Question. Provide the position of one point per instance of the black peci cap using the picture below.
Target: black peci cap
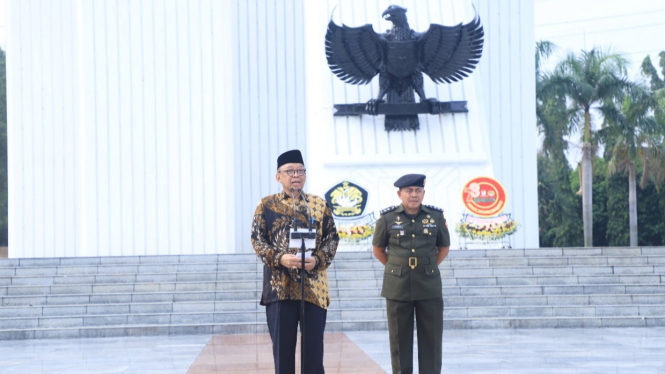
(413, 180)
(290, 157)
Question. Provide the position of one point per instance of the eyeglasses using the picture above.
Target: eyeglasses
(417, 191)
(293, 172)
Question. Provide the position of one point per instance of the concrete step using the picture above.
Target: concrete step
(365, 303)
(246, 271)
(455, 257)
(115, 286)
(518, 261)
(133, 330)
(331, 325)
(129, 293)
(483, 274)
(378, 314)
(139, 295)
(340, 257)
(554, 322)
(517, 300)
(243, 306)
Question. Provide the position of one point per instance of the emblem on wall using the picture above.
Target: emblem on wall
(347, 199)
(400, 57)
(485, 199)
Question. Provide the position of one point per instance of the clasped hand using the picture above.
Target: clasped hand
(294, 262)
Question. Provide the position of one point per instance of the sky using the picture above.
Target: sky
(634, 28)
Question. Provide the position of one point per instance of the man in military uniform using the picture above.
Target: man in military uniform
(417, 241)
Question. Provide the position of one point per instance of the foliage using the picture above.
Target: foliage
(629, 130)
(616, 231)
(610, 209)
(649, 71)
(600, 192)
(557, 203)
(593, 84)
(3, 87)
(599, 202)
(655, 168)
(3, 151)
(590, 81)
(559, 209)
(650, 208)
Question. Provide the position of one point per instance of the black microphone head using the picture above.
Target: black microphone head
(292, 190)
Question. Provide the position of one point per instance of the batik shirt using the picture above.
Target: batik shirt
(273, 219)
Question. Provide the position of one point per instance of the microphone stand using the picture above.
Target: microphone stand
(302, 236)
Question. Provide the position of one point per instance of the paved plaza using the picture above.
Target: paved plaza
(496, 351)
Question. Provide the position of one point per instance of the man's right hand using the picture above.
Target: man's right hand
(380, 254)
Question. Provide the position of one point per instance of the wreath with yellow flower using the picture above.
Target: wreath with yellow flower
(355, 233)
(486, 232)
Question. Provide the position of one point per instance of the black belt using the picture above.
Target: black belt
(412, 262)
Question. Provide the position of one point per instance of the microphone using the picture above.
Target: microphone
(309, 213)
(295, 220)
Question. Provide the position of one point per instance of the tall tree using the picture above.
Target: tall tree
(632, 133)
(590, 81)
(553, 118)
(559, 210)
(557, 204)
(3, 87)
(658, 90)
(3, 151)
(650, 72)
(650, 208)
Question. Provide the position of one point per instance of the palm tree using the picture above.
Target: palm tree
(655, 154)
(558, 207)
(553, 118)
(634, 135)
(590, 81)
(657, 84)
(650, 71)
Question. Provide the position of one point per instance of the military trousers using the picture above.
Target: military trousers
(429, 324)
(283, 319)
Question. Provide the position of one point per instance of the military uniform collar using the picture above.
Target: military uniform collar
(400, 209)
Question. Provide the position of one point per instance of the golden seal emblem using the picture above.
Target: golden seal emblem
(347, 199)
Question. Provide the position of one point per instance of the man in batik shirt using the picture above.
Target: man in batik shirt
(281, 271)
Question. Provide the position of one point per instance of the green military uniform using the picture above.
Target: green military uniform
(412, 282)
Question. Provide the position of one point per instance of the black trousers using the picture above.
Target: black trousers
(283, 318)
(429, 324)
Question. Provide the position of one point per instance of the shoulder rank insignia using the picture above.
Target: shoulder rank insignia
(434, 208)
(389, 209)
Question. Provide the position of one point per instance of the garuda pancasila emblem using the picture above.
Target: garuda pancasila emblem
(400, 57)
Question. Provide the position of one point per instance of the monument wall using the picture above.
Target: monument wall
(152, 127)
